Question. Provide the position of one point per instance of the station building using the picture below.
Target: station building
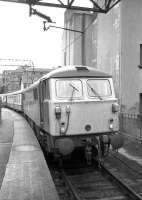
(110, 42)
(13, 80)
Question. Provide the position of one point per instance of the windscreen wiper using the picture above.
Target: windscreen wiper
(74, 88)
(94, 91)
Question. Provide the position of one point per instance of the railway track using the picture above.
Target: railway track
(91, 183)
(127, 172)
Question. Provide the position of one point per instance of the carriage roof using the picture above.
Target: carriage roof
(11, 93)
(76, 71)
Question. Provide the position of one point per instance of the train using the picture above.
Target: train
(69, 108)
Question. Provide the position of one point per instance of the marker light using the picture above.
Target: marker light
(68, 109)
(58, 112)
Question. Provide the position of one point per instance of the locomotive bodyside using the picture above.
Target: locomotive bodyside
(31, 104)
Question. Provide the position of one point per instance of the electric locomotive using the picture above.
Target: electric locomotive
(74, 107)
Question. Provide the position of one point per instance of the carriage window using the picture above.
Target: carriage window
(99, 88)
(23, 96)
(69, 88)
(29, 96)
(45, 86)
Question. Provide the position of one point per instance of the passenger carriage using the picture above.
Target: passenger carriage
(13, 100)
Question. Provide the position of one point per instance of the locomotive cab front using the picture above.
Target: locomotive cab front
(83, 110)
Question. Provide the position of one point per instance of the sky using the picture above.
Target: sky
(22, 37)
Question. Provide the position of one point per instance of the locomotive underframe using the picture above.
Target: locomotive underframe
(90, 143)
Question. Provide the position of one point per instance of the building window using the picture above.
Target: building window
(141, 55)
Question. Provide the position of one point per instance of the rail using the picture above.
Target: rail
(130, 192)
(95, 183)
(70, 185)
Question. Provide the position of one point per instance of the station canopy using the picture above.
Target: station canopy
(100, 6)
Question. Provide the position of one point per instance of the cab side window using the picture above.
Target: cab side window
(35, 93)
(45, 87)
(47, 90)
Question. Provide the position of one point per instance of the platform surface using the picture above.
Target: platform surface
(27, 176)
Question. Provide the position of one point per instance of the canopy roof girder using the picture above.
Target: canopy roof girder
(100, 6)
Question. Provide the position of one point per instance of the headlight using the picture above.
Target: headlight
(58, 112)
(62, 128)
(111, 124)
(115, 107)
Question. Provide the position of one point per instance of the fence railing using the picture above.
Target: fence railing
(131, 124)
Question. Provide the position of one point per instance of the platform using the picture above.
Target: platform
(27, 176)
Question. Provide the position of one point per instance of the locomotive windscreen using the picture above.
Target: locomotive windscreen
(73, 88)
(67, 88)
(98, 87)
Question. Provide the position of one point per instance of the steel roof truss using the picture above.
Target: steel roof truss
(110, 7)
(70, 2)
(96, 5)
(61, 2)
(102, 6)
